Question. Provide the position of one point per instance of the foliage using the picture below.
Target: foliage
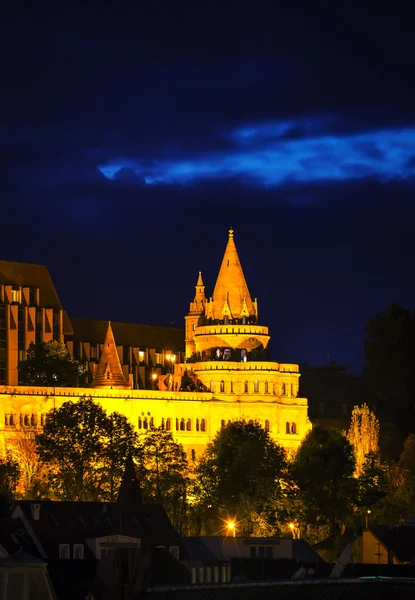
(390, 356)
(49, 363)
(323, 469)
(243, 474)
(9, 476)
(164, 473)
(373, 482)
(86, 450)
(33, 473)
(363, 435)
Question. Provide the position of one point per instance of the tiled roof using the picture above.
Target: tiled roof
(73, 522)
(13, 536)
(129, 334)
(361, 589)
(30, 275)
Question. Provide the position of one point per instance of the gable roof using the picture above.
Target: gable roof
(109, 372)
(30, 275)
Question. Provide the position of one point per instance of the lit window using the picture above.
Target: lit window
(168, 424)
(26, 421)
(246, 387)
(266, 387)
(283, 389)
(222, 386)
(266, 425)
(188, 425)
(145, 423)
(256, 386)
(293, 428)
(163, 426)
(287, 428)
(64, 551)
(140, 423)
(212, 386)
(177, 424)
(78, 551)
(141, 356)
(197, 425)
(182, 425)
(203, 425)
(231, 387)
(16, 295)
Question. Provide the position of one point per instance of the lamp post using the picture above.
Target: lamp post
(153, 380)
(368, 512)
(171, 360)
(231, 527)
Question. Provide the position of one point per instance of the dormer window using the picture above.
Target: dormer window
(64, 551)
(108, 374)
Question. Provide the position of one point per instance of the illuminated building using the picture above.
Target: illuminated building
(226, 374)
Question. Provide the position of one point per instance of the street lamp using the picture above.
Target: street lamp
(292, 527)
(153, 379)
(368, 512)
(170, 359)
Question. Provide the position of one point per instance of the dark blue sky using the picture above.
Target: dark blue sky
(131, 141)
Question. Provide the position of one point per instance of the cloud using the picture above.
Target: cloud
(282, 152)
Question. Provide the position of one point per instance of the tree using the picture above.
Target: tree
(164, 472)
(390, 355)
(363, 435)
(9, 477)
(33, 480)
(86, 450)
(242, 475)
(323, 469)
(49, 363)
(373, 481)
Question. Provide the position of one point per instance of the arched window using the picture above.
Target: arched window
(6, 419)
(151, 422)
(256, 386)
(162, 423)
(188, 425)
(283, 389)
(193, 454)
(266, 387)
(140, 423)
(26, 421)
(222, 386)
(168, 424)
(12, 420)
(197, 425)
(182, 425)
(293, 428)
(222, 423)
(145, 423)
(287, 428)
(246, 387)
(33, 421)
(202, 425)
(177, 424)
(266, 425)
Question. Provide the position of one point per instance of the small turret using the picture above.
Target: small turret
(199, 302)
(109, 373)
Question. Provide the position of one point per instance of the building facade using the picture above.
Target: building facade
(224, 374)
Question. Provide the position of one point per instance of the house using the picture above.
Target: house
(389, 545)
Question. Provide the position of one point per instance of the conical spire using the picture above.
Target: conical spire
(198, 304)
(231, 289)
(109, 372)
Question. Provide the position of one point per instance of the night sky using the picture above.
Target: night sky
(131, 141)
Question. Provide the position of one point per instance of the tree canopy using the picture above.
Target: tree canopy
(390, 355)
(86, 450)
(164, 473)
(323, 469)
(242, 475)
(49, 363)
(363, 434)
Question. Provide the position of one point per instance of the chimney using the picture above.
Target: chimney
(35, 510)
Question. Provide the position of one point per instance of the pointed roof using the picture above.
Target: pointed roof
(109, 373)
(231, 288)
(198, 304)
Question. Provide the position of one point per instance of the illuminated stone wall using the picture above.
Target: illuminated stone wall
(25, 408)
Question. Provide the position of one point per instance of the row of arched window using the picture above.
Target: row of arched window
(167, 424)
(12, 420)
(255, 389)
(267, 426)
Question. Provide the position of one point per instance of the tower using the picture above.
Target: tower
(109, 373)
(195, 316)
